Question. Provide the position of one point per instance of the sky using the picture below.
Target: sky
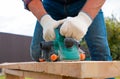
(15, 19)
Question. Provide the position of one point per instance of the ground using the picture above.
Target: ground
(3, 77)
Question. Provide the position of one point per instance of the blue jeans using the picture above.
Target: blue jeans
(96, 37)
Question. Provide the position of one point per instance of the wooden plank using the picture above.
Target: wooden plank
(100, 69)
(36, 75)
(9, 65)
(8, 76)
(77, 69)
(14, 72)
(30, 66)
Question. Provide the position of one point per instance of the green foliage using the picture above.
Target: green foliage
(113, 30)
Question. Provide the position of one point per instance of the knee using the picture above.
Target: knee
(100, 50)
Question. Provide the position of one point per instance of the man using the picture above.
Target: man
(80, 18)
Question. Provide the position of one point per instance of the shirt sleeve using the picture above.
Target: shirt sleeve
(26, 2)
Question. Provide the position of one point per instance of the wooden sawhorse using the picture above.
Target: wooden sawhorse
(62, 70)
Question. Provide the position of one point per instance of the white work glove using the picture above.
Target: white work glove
(49, 25)
(76, 27)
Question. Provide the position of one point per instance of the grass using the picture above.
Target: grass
(2, 77)
(117, 78)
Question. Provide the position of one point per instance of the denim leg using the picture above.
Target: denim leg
(96, 39)
(35, 44)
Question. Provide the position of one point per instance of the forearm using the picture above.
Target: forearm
(36, 7)
(92, 7)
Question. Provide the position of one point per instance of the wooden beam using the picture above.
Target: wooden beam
(14, 72)
(77, 69)
(8, 76)
(36, 75)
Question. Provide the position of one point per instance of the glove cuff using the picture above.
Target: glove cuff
(45, 18)
(85, 17)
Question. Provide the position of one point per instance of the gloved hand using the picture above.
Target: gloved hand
(76, 27)
(49, 25)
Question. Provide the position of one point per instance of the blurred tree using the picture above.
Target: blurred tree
(113, 30)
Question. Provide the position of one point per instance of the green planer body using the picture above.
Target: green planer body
(64, 48)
